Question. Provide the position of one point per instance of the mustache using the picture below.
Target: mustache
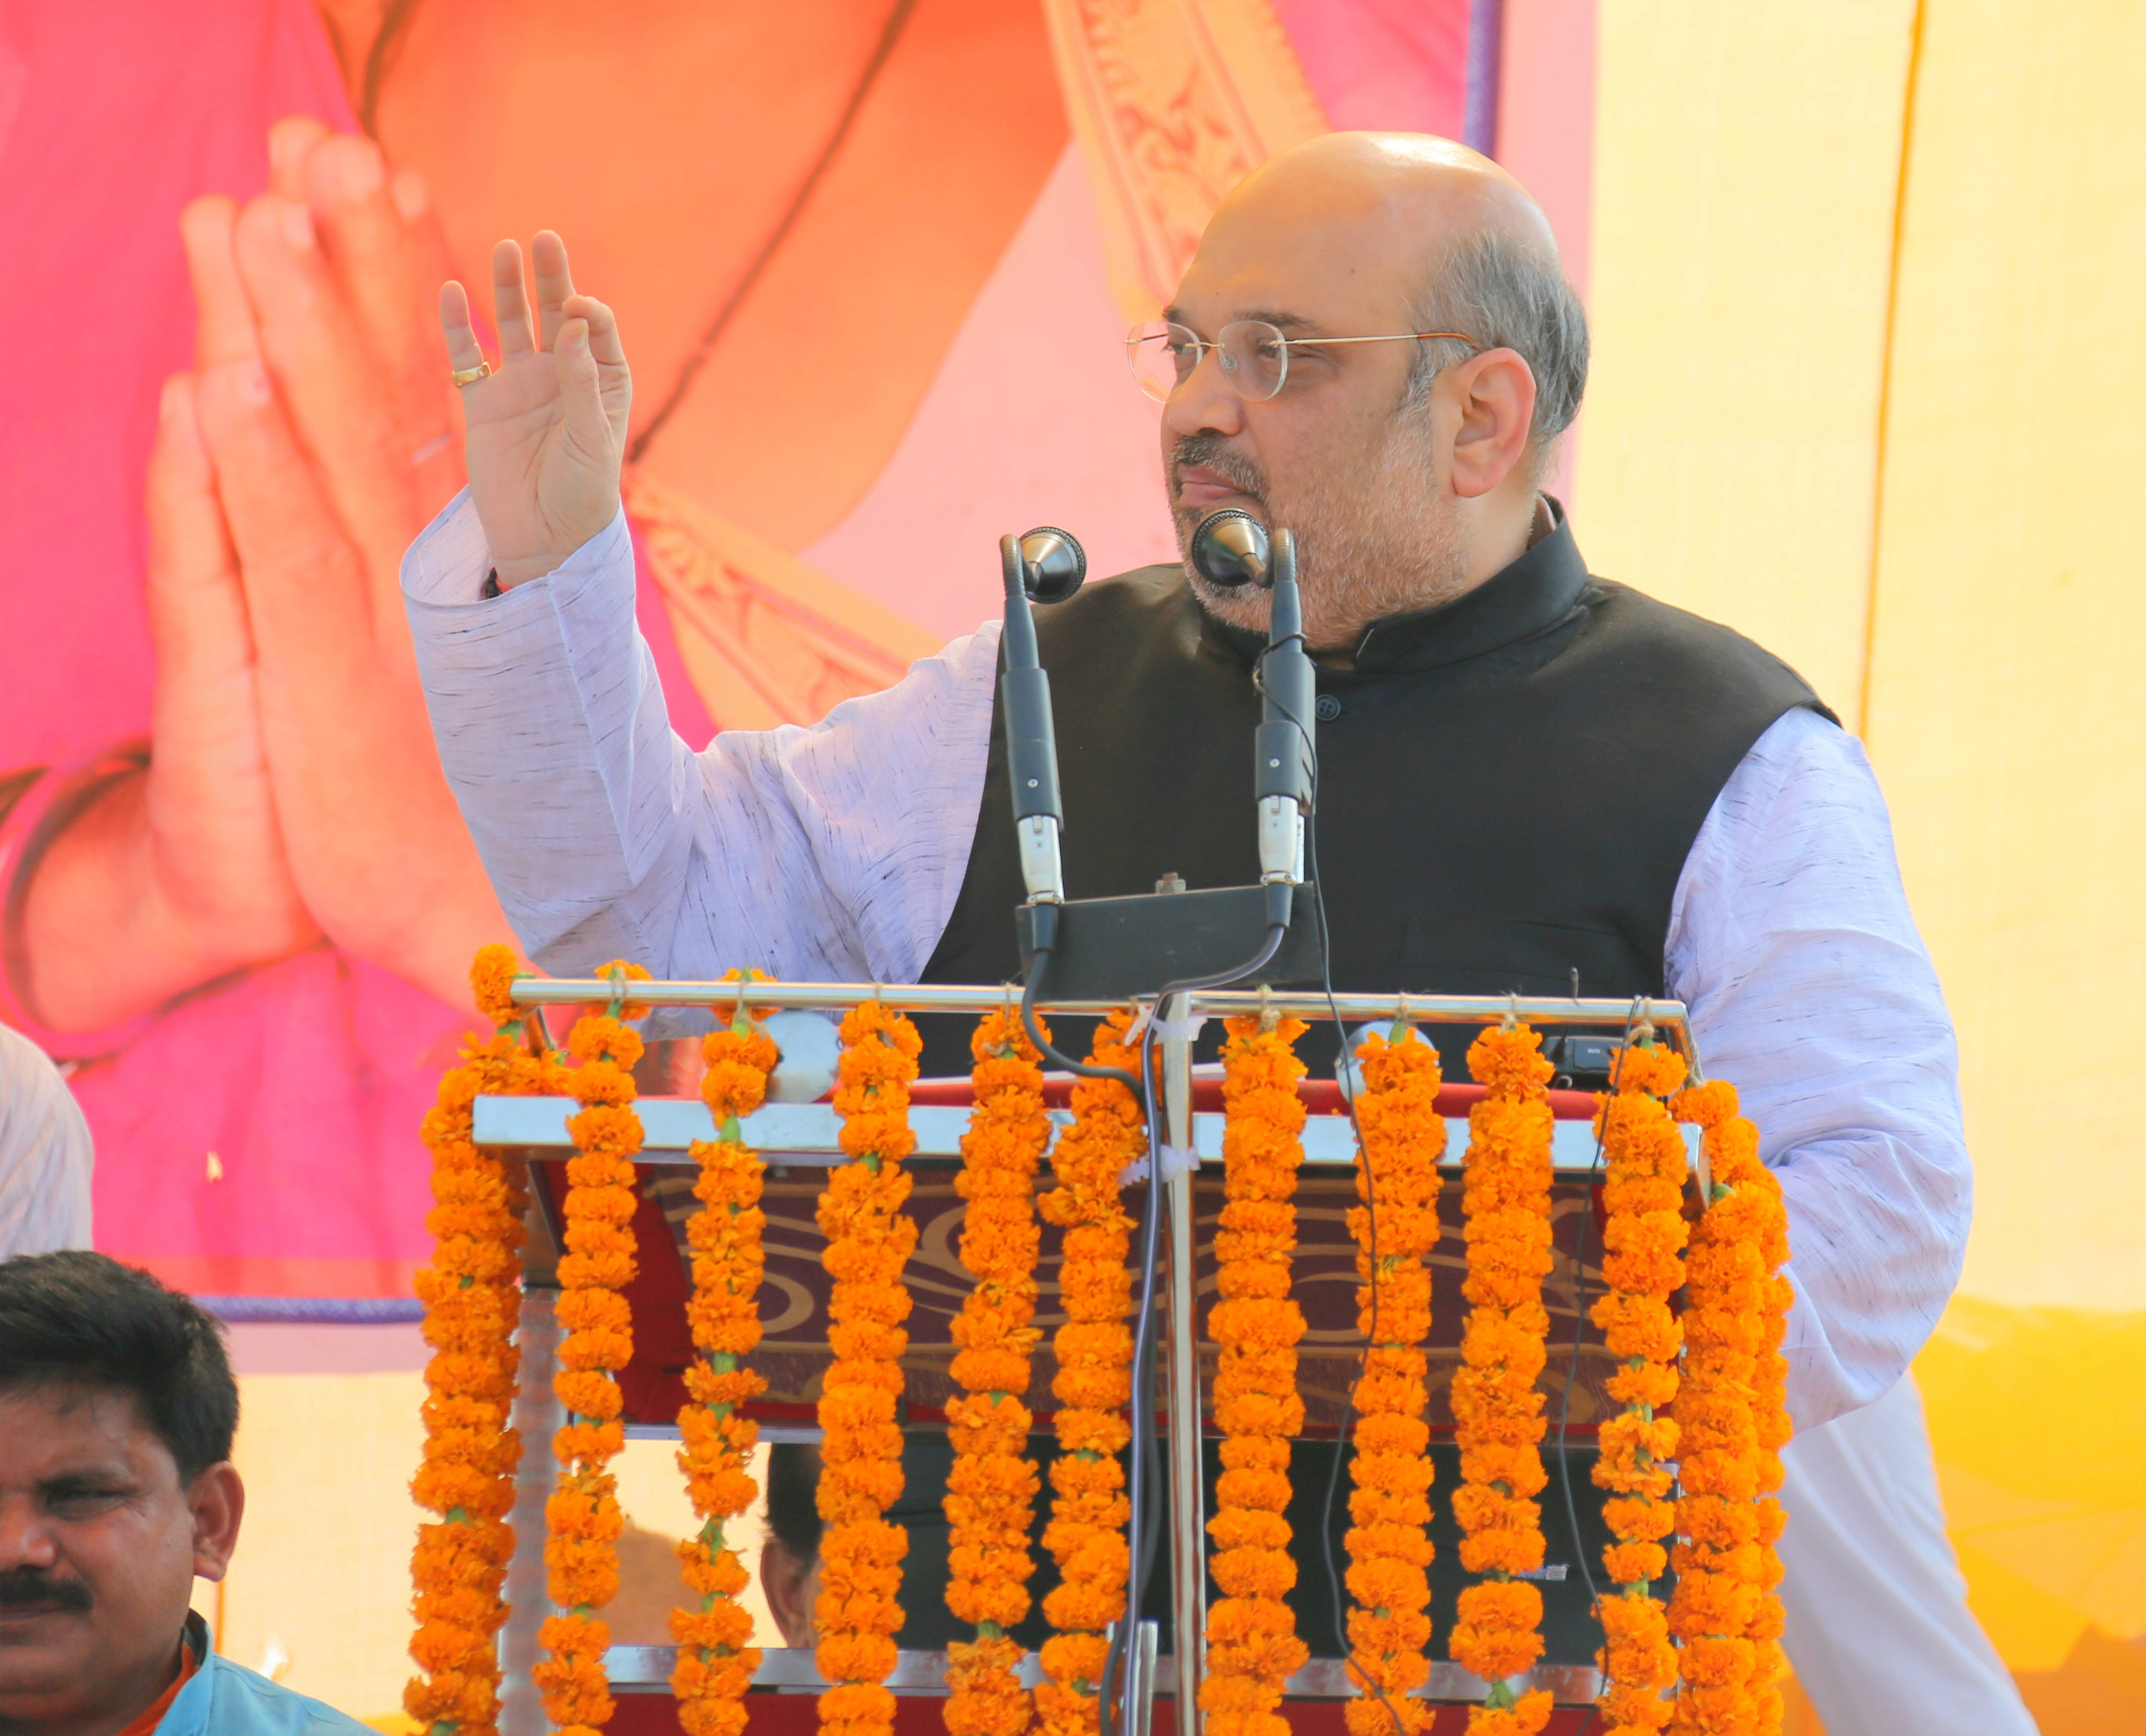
(1211, 451)
(27, 1588)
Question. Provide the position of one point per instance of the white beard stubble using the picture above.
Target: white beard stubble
(1368, 545)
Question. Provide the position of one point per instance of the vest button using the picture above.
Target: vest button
(1328, 709)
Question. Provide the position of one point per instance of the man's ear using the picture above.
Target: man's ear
(218, 1502)
(1493, 395)
(788, 1583)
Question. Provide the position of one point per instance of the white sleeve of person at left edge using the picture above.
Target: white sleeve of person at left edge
(1811, 993)
(45, 1154)
(831, 852)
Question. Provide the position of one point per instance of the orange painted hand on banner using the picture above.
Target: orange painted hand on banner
(293, 788)
(318, 407)
(177, 874)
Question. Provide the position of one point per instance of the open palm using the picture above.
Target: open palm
(547, 430)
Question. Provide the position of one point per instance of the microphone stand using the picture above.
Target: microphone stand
(1134, 941)
(1038, 815)
(1284, 752)
(1031, 739)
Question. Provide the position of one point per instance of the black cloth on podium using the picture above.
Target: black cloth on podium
(1570, 1634)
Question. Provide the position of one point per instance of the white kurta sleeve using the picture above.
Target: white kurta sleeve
(1810, 992)
(832, 852)
(45, 1154)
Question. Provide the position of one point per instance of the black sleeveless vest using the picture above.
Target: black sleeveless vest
(1508, 785)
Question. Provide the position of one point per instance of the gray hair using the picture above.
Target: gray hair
(1506, 294)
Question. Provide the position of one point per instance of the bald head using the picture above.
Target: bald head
(1403, 227)
(1396, 197)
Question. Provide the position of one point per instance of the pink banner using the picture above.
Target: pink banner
(235, 897)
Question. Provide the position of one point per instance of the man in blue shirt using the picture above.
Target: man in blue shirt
(117, 1491)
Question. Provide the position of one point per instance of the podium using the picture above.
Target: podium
(800, 1141)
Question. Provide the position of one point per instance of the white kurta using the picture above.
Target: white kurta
(1878, 1628)
(836, 851)
(45, 1154)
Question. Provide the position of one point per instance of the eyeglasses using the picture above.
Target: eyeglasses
(1254, 355)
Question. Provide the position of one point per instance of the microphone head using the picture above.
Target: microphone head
(1053, 563)
(1230, 549)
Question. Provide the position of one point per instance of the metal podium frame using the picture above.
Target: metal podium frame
(1175, 1037)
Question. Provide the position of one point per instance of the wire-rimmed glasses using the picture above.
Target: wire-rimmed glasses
(1253, 355)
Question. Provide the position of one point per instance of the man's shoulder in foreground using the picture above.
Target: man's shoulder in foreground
(1691, 647)
(225, 1699)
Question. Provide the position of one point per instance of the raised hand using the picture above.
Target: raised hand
(546, 430)
(292, 788)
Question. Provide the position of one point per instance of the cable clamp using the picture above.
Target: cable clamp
(1177, 1160)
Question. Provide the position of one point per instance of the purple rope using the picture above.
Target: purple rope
(1479, 128)
(313, 1310)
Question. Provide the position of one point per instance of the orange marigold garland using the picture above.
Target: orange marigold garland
(869, 1238)
(493, 973)
(1643, 1196)
(1252, 1645)
(471, 1292)
(1769, 1403)
(1737, 1165)
(1094, 1349)
(991, 1493)
(583, 1517)
(1732, 1414)
(1389, 1549)
(716, 1656)
(1495, 1403)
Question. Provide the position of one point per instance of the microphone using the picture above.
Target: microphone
(1053, 563)
(1230, 549)
(1044, 560)
(1283, 754)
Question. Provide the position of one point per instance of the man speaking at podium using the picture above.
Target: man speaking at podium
(1524, 772)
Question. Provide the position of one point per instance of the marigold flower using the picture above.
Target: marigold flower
(1094, 1351)
(1396, 1171)
(1505, 1202)
(1251, 1640)
(992, 1487)
(1643, 1242)
(1730, 1408)
(1525, 1717)
(471, 1294)
(716, 1660)
(869, 1240)
(492, 974)
(582, 1515)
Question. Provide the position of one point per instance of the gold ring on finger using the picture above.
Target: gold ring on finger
(471, 375)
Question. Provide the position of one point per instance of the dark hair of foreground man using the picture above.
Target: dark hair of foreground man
(84, 1320)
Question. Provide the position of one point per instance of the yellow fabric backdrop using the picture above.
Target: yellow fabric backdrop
(319, 1596)
(1889, 422)
(1745, 158)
